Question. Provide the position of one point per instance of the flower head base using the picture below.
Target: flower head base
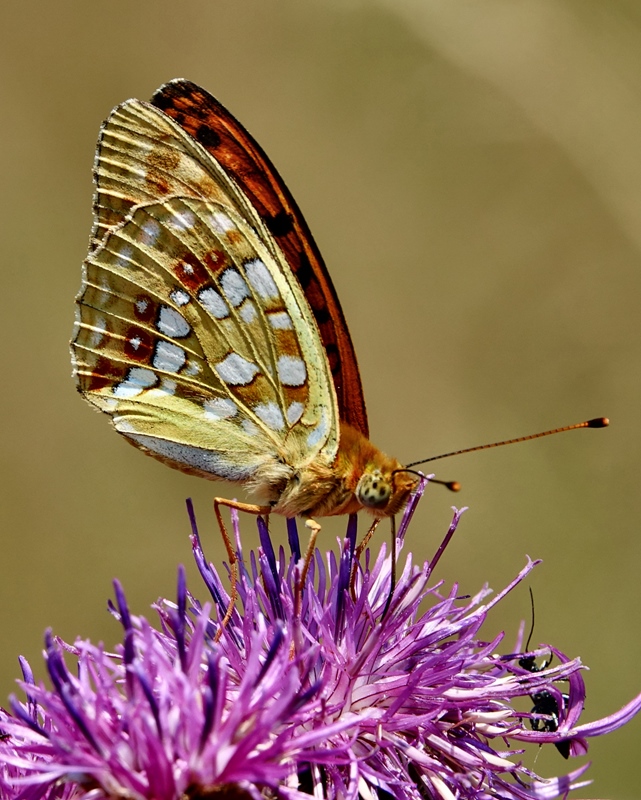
(318, 691)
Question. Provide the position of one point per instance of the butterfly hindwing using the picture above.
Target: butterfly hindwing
(192, 332)
(210, 124)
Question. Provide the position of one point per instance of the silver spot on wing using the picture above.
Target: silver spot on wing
(291, 371)
(234, 287)
(260, 279)
(172, 323)
(138, 379)
(271, 415)
(220, 408)
(236, 370)
(213, 303)
(168, 357)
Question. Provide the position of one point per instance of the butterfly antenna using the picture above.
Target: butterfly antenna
(453, 486)
(598, 422)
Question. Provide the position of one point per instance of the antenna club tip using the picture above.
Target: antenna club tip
(599, 422)
(453, 486)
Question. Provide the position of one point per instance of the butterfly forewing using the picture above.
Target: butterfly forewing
(192, 332)
(238, 153)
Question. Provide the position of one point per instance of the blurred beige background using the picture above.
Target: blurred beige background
(472, 173)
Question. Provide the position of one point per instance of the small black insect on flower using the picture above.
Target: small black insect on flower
(545, 703)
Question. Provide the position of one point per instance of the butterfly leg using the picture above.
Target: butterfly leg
(359, 551)
(248, 508)
(314, 528)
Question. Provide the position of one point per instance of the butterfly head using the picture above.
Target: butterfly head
(375, 481)
(374, 490)
(384, 490)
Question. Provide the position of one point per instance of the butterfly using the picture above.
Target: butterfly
(207, 326)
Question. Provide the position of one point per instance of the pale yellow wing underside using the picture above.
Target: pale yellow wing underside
(192, 332)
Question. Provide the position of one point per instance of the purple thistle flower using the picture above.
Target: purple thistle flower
(313, 691)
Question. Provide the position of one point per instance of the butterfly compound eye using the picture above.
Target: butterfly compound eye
(373, 490)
